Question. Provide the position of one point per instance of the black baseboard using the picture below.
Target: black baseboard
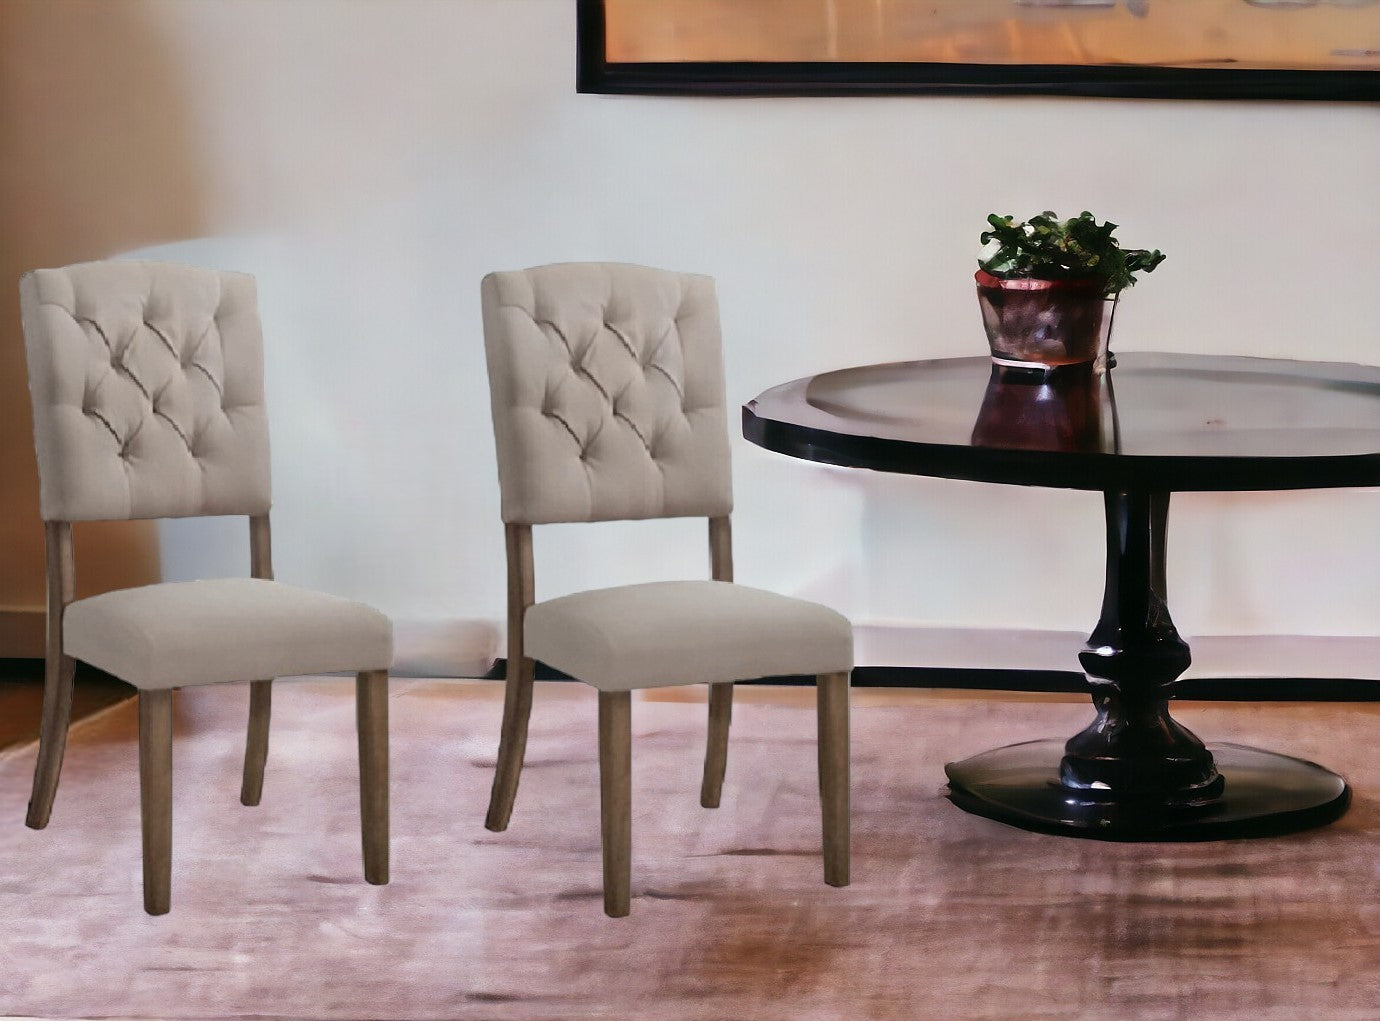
(1207, 689)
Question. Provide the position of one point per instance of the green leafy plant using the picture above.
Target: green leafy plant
(1047, 248)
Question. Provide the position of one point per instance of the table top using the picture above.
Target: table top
(1154, 422)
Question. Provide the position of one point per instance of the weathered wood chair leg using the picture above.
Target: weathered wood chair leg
(615, 798)
(716, 745)
(256, 741)
(371, 705)
(833, 776)
(512, 743)
(52, 737)
(155, 797)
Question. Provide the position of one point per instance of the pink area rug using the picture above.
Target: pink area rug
(950, 917)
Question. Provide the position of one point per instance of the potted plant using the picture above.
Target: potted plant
(1049, 287)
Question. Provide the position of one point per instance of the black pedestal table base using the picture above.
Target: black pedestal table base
(1264, 794)
(1135, 773)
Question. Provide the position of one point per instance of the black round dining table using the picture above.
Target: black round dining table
(1151, 425)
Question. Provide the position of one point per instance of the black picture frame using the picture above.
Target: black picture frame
(595, 74)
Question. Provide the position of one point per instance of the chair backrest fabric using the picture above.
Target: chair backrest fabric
(607, 390)
(147, 388)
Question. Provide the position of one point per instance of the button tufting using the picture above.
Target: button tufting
(129, 329)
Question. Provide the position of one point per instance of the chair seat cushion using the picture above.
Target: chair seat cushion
(229, 629)
(685, 632)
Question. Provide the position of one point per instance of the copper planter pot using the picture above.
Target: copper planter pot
(1046, 322)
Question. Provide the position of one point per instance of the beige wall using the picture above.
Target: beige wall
(369, 161)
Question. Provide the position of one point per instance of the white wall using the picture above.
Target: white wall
(370, 161)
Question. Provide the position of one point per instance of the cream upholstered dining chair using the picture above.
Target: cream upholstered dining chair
(147, 387)
(607, 391)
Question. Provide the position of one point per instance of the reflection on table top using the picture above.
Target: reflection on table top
(1155, 421)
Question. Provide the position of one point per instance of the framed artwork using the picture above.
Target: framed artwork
(1190, 49)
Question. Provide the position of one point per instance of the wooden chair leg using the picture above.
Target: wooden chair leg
(615, 798)
(833, 776)
(716, 746)
(155, 797)
(512, 743)
(256, 741)
(371, 705)
(52, 736)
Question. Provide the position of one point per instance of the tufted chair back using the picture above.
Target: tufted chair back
(147, 387)
(607, 390)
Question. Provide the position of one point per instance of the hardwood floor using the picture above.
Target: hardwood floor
(21, 697)
(949, 916)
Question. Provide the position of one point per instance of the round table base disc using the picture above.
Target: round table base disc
(1266, 794)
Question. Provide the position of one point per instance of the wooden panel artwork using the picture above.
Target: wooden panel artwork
(1211, 48)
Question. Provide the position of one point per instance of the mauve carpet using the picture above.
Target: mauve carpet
(949, 917)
